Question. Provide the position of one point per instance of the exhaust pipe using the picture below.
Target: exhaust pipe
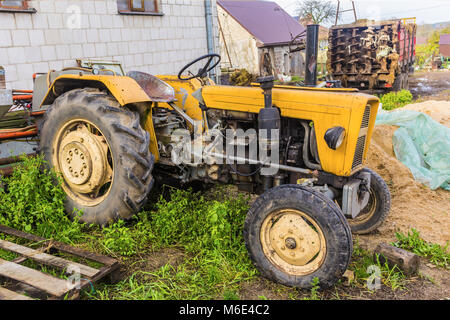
(312, 49)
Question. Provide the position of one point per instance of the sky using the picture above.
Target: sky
(426, 11)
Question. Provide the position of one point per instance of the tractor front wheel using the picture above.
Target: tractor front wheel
(295, 234)
(102, 154)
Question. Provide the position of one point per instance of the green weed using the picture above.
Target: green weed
(118, 238)
(34, 202)
(412, 241)
(210, 232)
(314, 294)
(392, 277)
(394, 100)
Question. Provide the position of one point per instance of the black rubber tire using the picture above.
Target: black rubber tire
(129, 145)
(324, 212)
(380, 190)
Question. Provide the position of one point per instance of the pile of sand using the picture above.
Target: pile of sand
(438, 110)
(413, 204)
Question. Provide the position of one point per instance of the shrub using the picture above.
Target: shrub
(34, 202)
(394, 100)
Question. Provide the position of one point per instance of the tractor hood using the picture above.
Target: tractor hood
(326, 108)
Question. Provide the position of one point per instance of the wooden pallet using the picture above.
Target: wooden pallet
(25, 283)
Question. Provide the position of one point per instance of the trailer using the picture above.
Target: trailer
(373, 55)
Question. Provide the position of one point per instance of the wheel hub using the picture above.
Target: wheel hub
(83, 160)
(293, 242)
(76, 163)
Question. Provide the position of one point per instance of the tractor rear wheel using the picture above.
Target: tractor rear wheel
(376, 211)
(295, 234)
(102, 154)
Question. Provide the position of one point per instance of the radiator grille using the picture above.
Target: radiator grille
(359, 152)
(366, 117)
(361, 143)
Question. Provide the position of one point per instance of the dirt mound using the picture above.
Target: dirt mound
(438, 110)
(413, 204)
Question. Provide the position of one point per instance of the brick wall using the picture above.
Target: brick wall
(64, 30)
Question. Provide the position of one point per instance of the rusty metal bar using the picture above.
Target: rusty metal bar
(10, 160)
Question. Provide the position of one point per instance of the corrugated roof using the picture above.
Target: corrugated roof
(445, 39)
(265, 20)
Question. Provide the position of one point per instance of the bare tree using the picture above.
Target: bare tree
(318, 11)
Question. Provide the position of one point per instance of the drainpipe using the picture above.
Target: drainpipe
(210, 33)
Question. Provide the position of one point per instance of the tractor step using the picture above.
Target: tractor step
(25, 282)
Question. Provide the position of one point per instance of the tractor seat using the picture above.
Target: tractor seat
(156, 89)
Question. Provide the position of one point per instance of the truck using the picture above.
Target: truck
(371, 55)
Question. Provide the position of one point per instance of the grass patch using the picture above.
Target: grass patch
(205, 228)
(367, 267)
(412, 241)
(34, 202)
(210, 234)
(394, 100)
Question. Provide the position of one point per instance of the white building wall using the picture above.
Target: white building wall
(64, 30)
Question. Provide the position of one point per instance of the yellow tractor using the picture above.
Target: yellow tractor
(301, 149)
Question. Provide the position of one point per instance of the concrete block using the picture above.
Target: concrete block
(37, 37)
(55, 21)
(89, 50)
(16, 55)
(46, 6)
(100, 7)
(23, 21)
(32, 54)
(53, 36)
(100, 49)
(76, 51)
(39, 21)
(7, 21)
(20, 38)
(11, 73)
(5, 38)
(62, 52)
(25, 71)
(92, 36)
(48, 53)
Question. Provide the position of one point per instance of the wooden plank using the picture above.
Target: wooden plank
(47, 259)
(51, 285)
(59, 246)
(6, 294)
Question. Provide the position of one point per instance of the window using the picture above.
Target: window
(15, 6)
(143, 7)
(137, 5)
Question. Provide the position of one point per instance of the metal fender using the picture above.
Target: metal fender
(125, 89)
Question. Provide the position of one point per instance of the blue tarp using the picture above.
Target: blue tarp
(422, 144)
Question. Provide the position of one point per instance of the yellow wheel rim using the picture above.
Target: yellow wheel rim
(83, 156)
(293, 242)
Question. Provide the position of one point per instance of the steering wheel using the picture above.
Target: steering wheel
(203, 71)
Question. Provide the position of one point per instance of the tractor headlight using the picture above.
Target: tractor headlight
(334, 137)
